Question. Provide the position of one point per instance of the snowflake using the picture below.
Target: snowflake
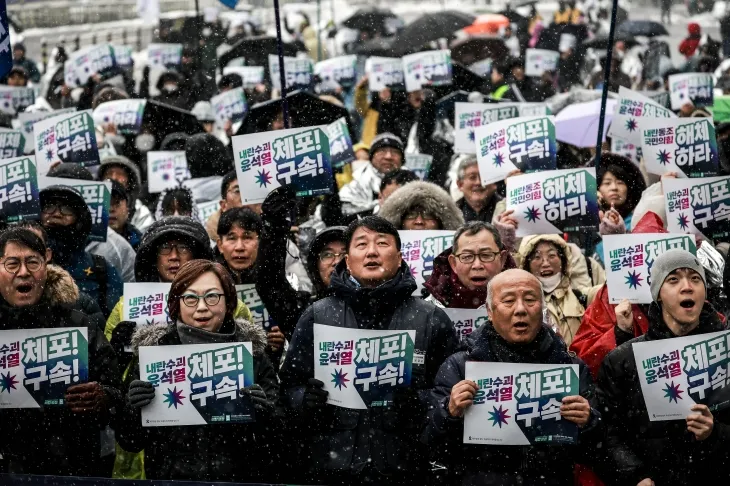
(532, 214)
(683, 221)
(498, 160)
(633, 280)
(631, 125)
(263, 178)
(498, 417)
(664, 157)
(673, 392)
(7, 382)
(173, 397)
(339, 378)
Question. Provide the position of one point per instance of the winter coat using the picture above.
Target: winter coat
(485, 215)
(688, 46)
(378, 441)
(664, 451)
(361, 194)
(53, 440)
(208, 452)
(429, 197)
(117, 251)
(506, 465)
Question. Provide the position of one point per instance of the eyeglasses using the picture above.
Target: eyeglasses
(329, 256)
(211, 299)
(538, 257)
(484, 257)
(182, 249)
(415, 214)
(12, 265)
(64, 209)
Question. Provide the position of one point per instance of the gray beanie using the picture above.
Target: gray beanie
(670, 261)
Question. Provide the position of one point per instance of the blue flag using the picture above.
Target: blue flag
(6, 54)
(227, 3)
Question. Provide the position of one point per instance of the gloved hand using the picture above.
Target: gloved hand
(315, 397)
(86, 397)
(140, 394)
(278, 207)
(259, 399)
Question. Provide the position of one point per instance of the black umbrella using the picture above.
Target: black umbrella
(382, 46)
(430, 27)
(472, 49)
(256, 50)
(645, 28)
(161, 120)
(601, 41)
(462, 80)
(370, 19)
(550, 36)
(521, 3)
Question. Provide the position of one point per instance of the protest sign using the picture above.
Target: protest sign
(537, 61)
(166, 170)
(429, 68)
(145, 303)
(12, 143)
(341, 70)
(469, 116)
(97, 196)
(230, 106)
(686, 146)
(526, 144)
(267, 160)
(629, 115)
(629, 259)
(248, 295)
(38, 365)
(164, 55)
(87, 62)
(419, 164)
(627, 149)
(251, 75)
(123, 56)
(420, 248)
(14, 99)
(19, 190)
(659, 97)
(677, 373)
(362, 368)
(384, 72)
(557, 201)
(697, 88)
(208, 209)
(25, 121)
(698, 206)
(236, 62)
(66, 138)
(466, 321)
(341, 152)
(519, 404)
(125, 115)
(297, 72)
(197, 384)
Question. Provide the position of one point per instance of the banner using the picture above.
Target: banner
(12, 144)
(19, 190)
(537, 61)
(686, 146)
(248, 295)
(341, 152)
(698, 206)
(267, 160)
(66, 138)
(384, 72)
(557, 201)
(680, 372)
(125, 115)
(697, 88)
(362, 368)
(25, 121)
(526, 144)
(123, 56)
(164, 55)
(197, 384)
(629, 259)
(419, 164)
(341, 70)
(297, 71)
(420, 248)
(15, 99)
(469, 116)
(251, 75)
(87, 62)
(627, 149)
(519, 404)
(229, 106)
(630, 113)
(145, 303)
(97, 196)
(38, 365)
(6, 53)
(466, 321)
(429, 68)
(166, 170)
(207, 209)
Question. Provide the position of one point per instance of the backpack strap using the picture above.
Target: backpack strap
(582, 298)
(100, 272)
(590, 269)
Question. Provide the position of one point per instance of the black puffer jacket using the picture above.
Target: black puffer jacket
(664, 451)
(506, 465)
(380, 443)
(238, 453)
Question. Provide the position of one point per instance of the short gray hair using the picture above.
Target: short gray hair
(474, 227)
(465, 164)
(490, 294)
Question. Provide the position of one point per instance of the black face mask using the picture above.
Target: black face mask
(64, 241)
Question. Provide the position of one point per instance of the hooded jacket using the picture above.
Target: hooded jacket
(664, 451)
(430, 197)
(141, 217)
(688, 46)
(56, 441)
(234, 452)
(505, 465)
(361, 195)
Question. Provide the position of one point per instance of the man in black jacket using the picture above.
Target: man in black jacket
(372, 289)
(515, 334)
(663, 452)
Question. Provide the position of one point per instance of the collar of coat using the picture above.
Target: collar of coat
(547, 348)
(710, 321)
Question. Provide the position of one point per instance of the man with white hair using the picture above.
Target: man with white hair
(479, 201)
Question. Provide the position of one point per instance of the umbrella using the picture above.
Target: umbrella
(487, 24)
(550, 36)
(162, 120)
(371, 19)
(470, 50)
(601, 41)
(560, 101)
(521, 3)
(382, 46)
(578, 124)
(256, 50)
(646, 28)
(430, 27)
(462, 79)
(305, 110)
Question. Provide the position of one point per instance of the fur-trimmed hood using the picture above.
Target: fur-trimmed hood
(245, 331)
(60, 287)
(430, 197)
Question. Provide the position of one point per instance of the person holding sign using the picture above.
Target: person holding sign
(372, 290)
(639, 449)
(53, 440)
(515, 334)
(202, 303)
(479, 202)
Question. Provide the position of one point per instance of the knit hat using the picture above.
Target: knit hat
(670, 261)
(386, 140)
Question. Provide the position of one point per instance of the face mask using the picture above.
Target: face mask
(551, 283)
(145, 142)
(169, 88)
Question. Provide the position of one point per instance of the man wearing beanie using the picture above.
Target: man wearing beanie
(678, 452)
(361, 195)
